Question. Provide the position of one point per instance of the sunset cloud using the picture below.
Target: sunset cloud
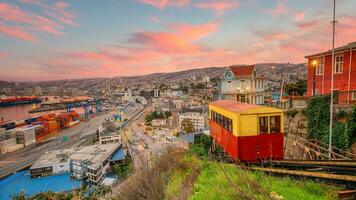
(16, 32)
(299, 16)
(121, 38)
(22, 24)
(3, 55)
(218, 7)
(280, 9)
(161, 4)
(180, 40)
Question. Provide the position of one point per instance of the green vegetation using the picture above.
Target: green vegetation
(156, 115)
(299, 88)
(318, 115)
(83, 193)
(292, 113)
(226, 181)
(122, 170)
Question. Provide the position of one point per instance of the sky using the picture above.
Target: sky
(52, 40)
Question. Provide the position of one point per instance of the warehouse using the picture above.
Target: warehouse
(89, 163)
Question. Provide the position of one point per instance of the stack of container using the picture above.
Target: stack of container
(50, 125)
(53, 127)
(31, 120)
(10, 145)
(26, 135)
(68, 119)
(8, 126)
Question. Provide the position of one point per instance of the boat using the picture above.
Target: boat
(18, 100)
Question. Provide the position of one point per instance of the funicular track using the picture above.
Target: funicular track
(314, 162)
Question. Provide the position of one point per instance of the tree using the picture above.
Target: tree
(298, 88)
(187, 125)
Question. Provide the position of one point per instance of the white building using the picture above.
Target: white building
(89, 162)
(196, 116)
(128, 96)
(159, 122)
(156, 93)
(106, 136)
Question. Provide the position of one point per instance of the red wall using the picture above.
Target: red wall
(225, 139)
(249, 148)
(340, 80)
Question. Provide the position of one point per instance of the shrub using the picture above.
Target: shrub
(292, 113)
(318, 115)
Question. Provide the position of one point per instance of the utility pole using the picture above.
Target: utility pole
(332, 83)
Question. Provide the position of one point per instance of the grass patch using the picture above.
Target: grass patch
(226, 181)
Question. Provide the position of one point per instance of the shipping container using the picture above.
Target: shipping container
(6, 144)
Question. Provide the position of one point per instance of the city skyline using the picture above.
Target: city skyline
(51, 40)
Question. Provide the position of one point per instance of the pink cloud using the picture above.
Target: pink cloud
(57, 11)
(219, 7)
(180, 40)
(161, 4)
(273, 37)
(281, 8)
(16, 32)
(3, 55)
(299, 16)
(25, 22)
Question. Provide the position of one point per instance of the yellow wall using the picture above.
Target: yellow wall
(226, 113)
(246, 123)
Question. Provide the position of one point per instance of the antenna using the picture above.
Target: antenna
(332, 83)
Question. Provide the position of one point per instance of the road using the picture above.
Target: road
(18, 160)
(142, 147)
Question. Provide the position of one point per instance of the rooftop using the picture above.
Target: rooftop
(94, 154)
(239, 107)
(243, 70)
(351, 45)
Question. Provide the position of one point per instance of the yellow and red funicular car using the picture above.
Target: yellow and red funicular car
(247, 132)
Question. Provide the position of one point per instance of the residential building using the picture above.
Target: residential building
(196, 116)
(320, 71)
(159, 122)
(241, 83)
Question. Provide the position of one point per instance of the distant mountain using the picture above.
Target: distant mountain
(272, 71)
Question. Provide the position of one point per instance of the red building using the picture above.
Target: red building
(319, 71)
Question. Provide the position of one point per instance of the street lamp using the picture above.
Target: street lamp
(314, 63)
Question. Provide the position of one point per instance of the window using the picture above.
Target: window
(242, 84)
(223, 121)
(263, 122)
(275, 124)
(320, 67)
(339, 63)
(243, 98)
(353, 95)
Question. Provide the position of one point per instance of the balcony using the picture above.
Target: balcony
(241, 91)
